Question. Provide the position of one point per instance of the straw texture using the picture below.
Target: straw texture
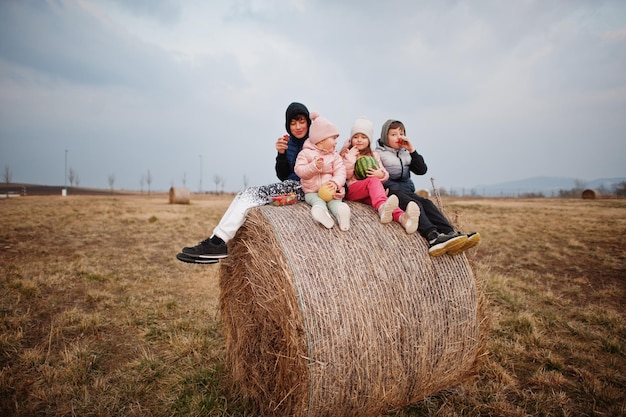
(321, 322)
(179, 195)
(591, 194)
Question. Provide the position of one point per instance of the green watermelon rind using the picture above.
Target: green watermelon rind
(362, 165)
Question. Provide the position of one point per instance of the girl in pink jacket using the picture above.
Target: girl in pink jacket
(370, 190)
(323, 174)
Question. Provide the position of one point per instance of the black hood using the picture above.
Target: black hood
(293, 110)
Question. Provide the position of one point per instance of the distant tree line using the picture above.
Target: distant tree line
(618, 190)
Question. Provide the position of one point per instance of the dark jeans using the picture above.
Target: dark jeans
(430, 217)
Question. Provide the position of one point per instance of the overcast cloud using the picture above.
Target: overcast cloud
(490, 91)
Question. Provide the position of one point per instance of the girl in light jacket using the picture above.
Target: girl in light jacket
(370, 190)
(322, 174)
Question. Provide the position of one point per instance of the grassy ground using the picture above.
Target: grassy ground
(97, 318)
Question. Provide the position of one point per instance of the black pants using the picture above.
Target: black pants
(430, 219)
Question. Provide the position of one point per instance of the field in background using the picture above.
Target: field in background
(98, 318)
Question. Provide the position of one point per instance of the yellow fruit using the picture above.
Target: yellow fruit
(326, 192)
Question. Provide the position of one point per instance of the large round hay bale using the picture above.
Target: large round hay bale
(590, 194)
(321, 322)
(179, 195)
(423, 193)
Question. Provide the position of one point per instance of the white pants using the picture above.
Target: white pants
(235, 215)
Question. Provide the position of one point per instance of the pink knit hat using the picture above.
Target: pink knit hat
(321, 129)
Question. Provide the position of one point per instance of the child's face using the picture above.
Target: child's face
(360, 141)
(394, 137)
(299, 126)
(329, 144)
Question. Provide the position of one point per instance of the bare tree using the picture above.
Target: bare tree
(71, 177)
(223, 184)
(184, 179)
(148, 180)
(142, 181)
(77, 180)
(7, 176)
(217, 180)
(111, 182)
(245, 181)
(579, 186)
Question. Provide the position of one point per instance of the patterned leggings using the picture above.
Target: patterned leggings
(235, 215)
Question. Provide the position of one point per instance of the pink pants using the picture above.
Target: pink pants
(370, 191)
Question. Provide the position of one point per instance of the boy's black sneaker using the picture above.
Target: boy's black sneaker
(444, 243)
(473, 239)
(191, 260)
(207, 250)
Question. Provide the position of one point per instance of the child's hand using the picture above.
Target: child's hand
(405, 143)
(281, 144)
(327, 190)
(331, 186)
(340, 193)
(319, 163)
(378, 173)
(354, 151)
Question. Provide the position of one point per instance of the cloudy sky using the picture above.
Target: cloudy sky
(489, 90)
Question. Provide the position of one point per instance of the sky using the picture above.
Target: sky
(194, 92)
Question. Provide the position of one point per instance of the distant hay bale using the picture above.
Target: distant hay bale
(179, 195)
(321, 322)
(423, 193)
(590, 194)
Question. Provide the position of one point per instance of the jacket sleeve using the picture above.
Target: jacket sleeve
(349, 161)
(305, 166)
(283, 170)
(339, 171)
(417, 166)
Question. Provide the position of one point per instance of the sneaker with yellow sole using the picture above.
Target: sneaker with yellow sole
(473, 239)
(444, 243)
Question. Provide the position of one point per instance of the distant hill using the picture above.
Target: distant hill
(548, 186)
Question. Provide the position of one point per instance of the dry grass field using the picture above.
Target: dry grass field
(97, 317)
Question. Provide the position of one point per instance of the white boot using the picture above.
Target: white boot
(322, 215)
(343, 216)
(410, 218)
(385, 210)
